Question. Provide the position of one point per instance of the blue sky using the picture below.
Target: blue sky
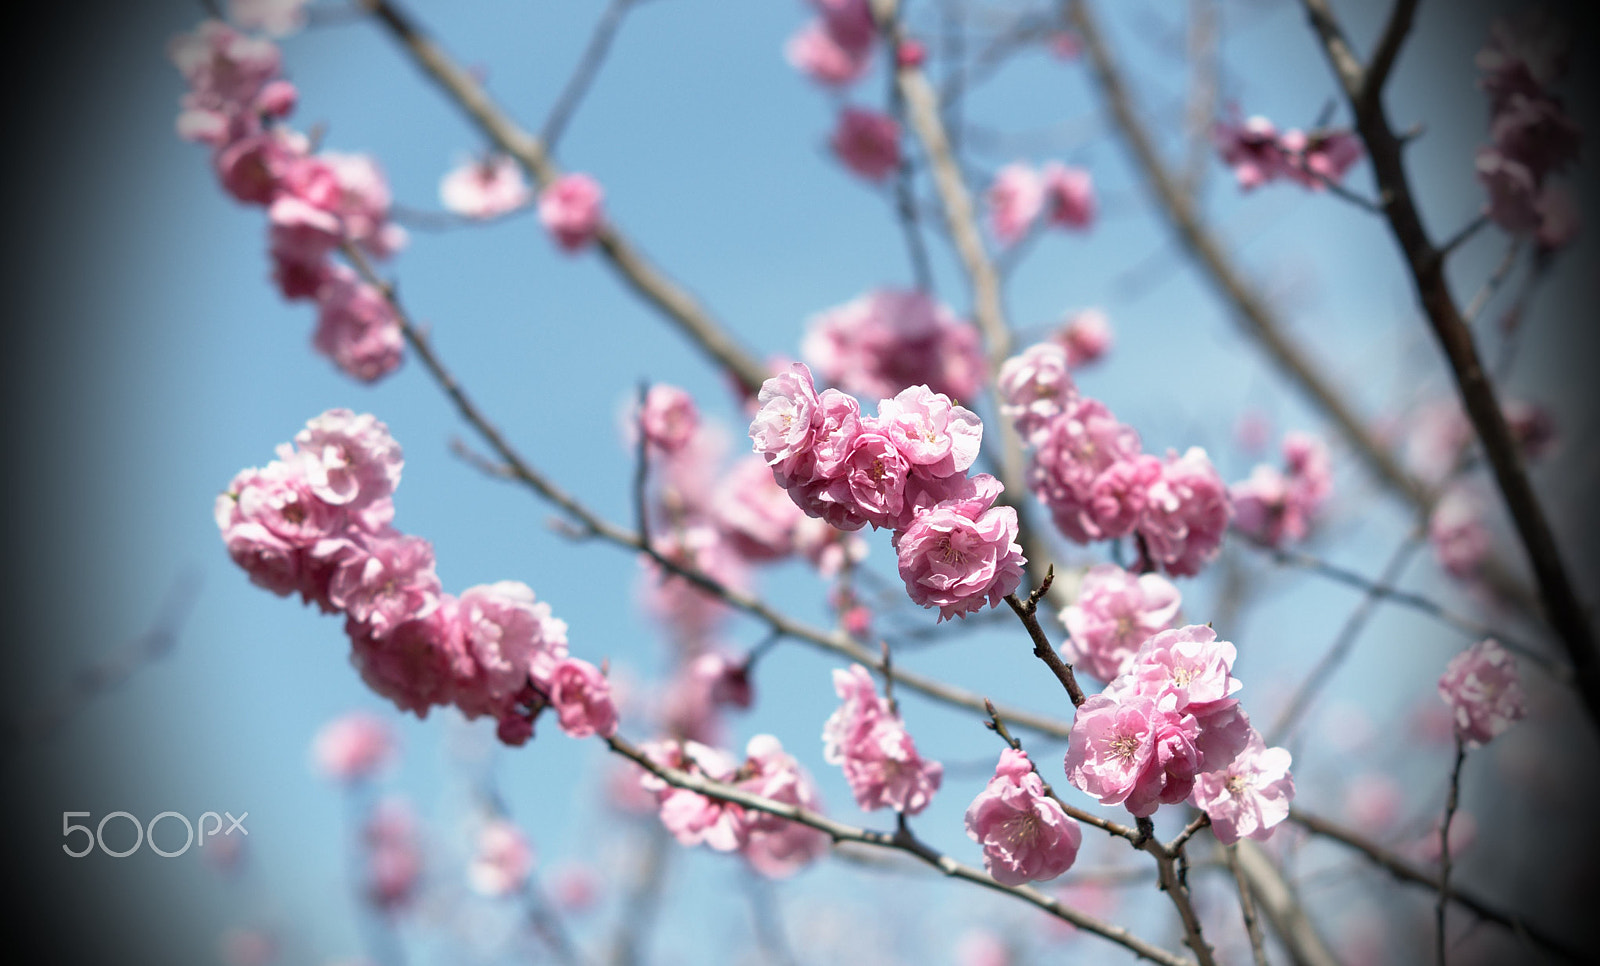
(176, 364)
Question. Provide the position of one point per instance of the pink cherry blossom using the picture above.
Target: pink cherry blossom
(389, 581)
(1274, 506)
(502, 860)
(1068, 195)
(878, 755)
(226, 72)
(1252, 150)
(570, 209)
(1461, 541)
(1187, 513)
(301, 233)
(694, 819)
(417, 664)
(1114, 614)
(1251, 796)
(1026, 837)
(1129, 751)
(882, 342)
(962, 552)
(1482, 687)
(911, 54)
(868, 143)
(356, 327)
(1074, 449)
(485, 188)
(754, 512)
(363, 203)
(1314, 160)
(1188, 668)
(252, 168)
(1015, 199)
(511, 638)
(350, 459)
(931, 432)
(782, 427)
(278, 18)
(873, 480)
(816, 52)
(394, 855)
(777, 847)
(1513, 191)
(581, 698)
(1034, 387)
(669, 418)
(353, 747)
(1087, 337)
(848, 20)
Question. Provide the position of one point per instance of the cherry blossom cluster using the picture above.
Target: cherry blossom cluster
(1483, 691)
(1025, 834)
(1090, 472)
(1169, 729)
(318, 521)
(904, 469)
(1532, 137)
(867, 739)
(775, 847)
(1113, 614)
(315, 201)
(1275, 506)
(571, 210)
(1021, 193)
(1258, 153)
(886, 340)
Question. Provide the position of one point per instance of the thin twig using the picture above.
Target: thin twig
(1182, 838)
(1405, 871)
(1444, 847)
(588, 66)
(591, 524)
(1247, 906)
(1042, 648)
(1492, 284)
(901, 840)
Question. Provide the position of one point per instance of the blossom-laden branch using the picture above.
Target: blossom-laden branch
(1363, 88)
(901, 840)
(590, 524)
(1405, 871)
(640, 274)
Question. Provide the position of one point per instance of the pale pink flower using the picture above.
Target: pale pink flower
(278, 18)
(226, 72)
(581, 698)
(301, 233)
(1129, 751)
(1114, 614)
(694, 819)
(754, 512)
(353, 747)
(817, 53)
(1068, 195)
(782, 427)
(828, 549)
(867, 142)
(1015, 199)
(394, 855)
(575, 888)
(1251, 148)
(270, 520)
(1087, 337)
(934, 434)
(1251, 796)
(363, 203)
(1026, 837)
(502, 861)
(419, 663)
(981, 947)
(884, 341)
(669, 418)
(962, 552)
(356, 327)
(1187, 513)
(511, 638)
(485, 188)
(1461, 541)
(252, 168)
(870, 742)
(1035, 386)
(1315, 159)
(776, 846)
(1073, 450)
(570, 209)
(1261, 504)
(388, 581)
(350, 459)
(1188, 669)
(873, 478)
(1482, 687)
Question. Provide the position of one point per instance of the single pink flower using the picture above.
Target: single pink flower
(1250, 797)
(485, 188)
(512, 638)
(502, 861)
(1251, 148)
(570, 209)
(818, 54)
(930, 431)
(1186, 514)
(880, 760)
(350, 459)
(782, 427)
(882, 342)
(1114, 614)
(1073, 450)
(962, 552)
(581, 698)
(356, 327)
(873, 480)
(388, 581)
(868, 143)
(1461, 541)
(1130, 751)
(754, 512)
(777, 847)
(1482, 687)
(669, 418)
(1015, 199)
(1069, 196)
(1026, 837)
(1087, 337)
(354, 747)
(1034, 387)
(418, 664)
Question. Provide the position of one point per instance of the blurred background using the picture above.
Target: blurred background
(150, 358)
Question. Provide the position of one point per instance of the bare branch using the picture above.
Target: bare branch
(588, 66)
(1444, 846)
(1247, 906)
